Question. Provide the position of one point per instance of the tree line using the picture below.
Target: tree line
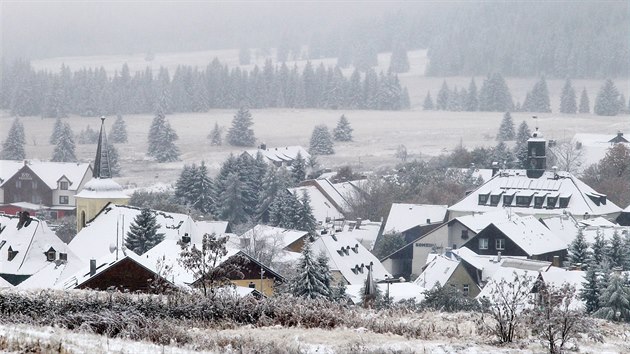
(90, 92)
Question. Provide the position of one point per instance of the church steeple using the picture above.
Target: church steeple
(536, 155)
(101, 163)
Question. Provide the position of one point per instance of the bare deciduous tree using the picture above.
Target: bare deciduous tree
(566, 156)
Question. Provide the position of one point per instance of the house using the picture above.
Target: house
(271, 236)
(536, 191)
(348, 260)
(519, 236)
(594, 146)
(364, 231)
(279, 156)
(624, 218)
(414, 220)
(509, 275)
(46, 189)
(566, 227)
(448, 270)
(255, 274)
(28, 249)
(327, 203)
(398, 291)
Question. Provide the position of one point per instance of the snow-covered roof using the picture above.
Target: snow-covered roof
(488, 265)
(29, 206)
(212, 227)
(627, 209)
(348, 256)
(5, 284)
(598, 222)
(54, 274)
(285, 236)
(31, 243)
(109, 229)
(397, 291)
(281, 154)
(323, 207)
(403, 217)
(559, 276)
(478, 221)
(566, 228)
(439, 270)
(49, 172)
(366, 232)
(594, 146)
(349, 189)
(530, 235)
(508, 275)
(554, 188)
(102, 188)
(483, 173)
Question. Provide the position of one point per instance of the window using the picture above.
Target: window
(494, 199)
(63, 199)
(483, 199)
(63, 186)
(523, 200)
(499, 244)
(483, 243)
(51, 254)
(466, 290)
(564, 201)
(465, 234)
(551, 202)
(63, 256)
(18, 184)
(507, 199)
(538, 202)
(34, 184)
(11, 253)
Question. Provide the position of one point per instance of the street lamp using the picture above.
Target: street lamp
(388, 280)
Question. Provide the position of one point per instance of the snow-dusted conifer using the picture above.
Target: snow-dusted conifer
(590, 291)
(428, 102)
(13, 146)
(568, 100)
(472, 101)
(241, 133)
(143, 232)
(202, 190)
(617, 254)
(343, 130)
(306, 220)
(615, 300)
(537, 100)
(114, 164)
(443, 97)
(324, 272)
(599, 247)
(215, 136)
(298, 169)
(578, 250)
(494, 95)
(321, 141)
(607, 100)
(520, 149)
(308, 282)
(88, 136)
(232, 205)
(506, 130)
(64, 147)
(57, 131)
(118, 133)
(162, 140)
(399, 62)
(585, 105)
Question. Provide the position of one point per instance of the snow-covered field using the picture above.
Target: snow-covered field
(377, 134)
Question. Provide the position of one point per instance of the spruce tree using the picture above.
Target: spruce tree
(232, 205)
(616, 253)
(599, 249)
(585, 105)
(306, 221)
(321, 141)
(615, 300)
(326, 277)
(114, 164)
(578, 250)
(240, 133)
(298, 169)
(472, 101)
(494, 95)
(162, 140)
(590, 291)
(520, 149)
(503, 155)
(88, 136)
(57, 131)
(143, 232)
(308, 282)
(622, 104)
(506, 130)
(399, 62)
(443, 97)
(64, 148)
(183, 186)
(13, 146)
(537, 100)
(607, 100)
(215, 136)
(202, 190)
(118, 133)
(343, 130)
(428, 102)
(568, 100)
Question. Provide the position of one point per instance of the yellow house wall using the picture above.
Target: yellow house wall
(460, 277)
(267, 285)
(92, 207)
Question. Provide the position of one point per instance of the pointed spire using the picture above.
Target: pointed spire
(101, 163)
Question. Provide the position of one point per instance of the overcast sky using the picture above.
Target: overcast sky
(38, 29)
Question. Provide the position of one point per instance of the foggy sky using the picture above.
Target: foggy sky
(37, 29)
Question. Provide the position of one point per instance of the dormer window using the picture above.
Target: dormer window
(483, 199)
(63, 257)
(551, 202)
(347, 250)
(11, 253)
(51, 254)
(564, 201)
(356, 248)
(63, 186)
(508, 199)
(523, 201)
(539, 201)
(494, 199)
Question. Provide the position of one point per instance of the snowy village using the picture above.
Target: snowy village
(373, 187)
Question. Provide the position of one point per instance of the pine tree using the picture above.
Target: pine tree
(622, 104)
(143, 232)
(442, 97)
(590, 291)
(201, 190)
(607, 100)
(472, 101)
(241, 134)
(64, 148)
(616, 253)
(494, 95)
(428, 102)
(118, 133)
(13, 146)
(183, 186)
(298, 169)
(599, 249)
(503, 155)
(568, 100)
(306, 221)
(88, 136)
(615, 300)
(343, 130)
(57, 131)
(585, 105)
(231, 201)
(321, 141)
(520, 149)
(579, 253)
(506, 130)
(162, 140)
(399, 62)
(537, 100)
(324, 271)
(308, 282)
(215, 136)
(114, 164)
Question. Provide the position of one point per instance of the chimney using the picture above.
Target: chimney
(556, 261)
(428, 221)
(92, 267)
(358, 223)
(186, 238)
(495, 168)
(263, 146)
(619, 134)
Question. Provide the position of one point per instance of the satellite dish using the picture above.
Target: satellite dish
(112, 247)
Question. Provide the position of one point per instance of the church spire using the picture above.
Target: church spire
(101, 163)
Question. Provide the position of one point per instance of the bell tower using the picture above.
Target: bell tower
(536, 155)
(101, 189)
